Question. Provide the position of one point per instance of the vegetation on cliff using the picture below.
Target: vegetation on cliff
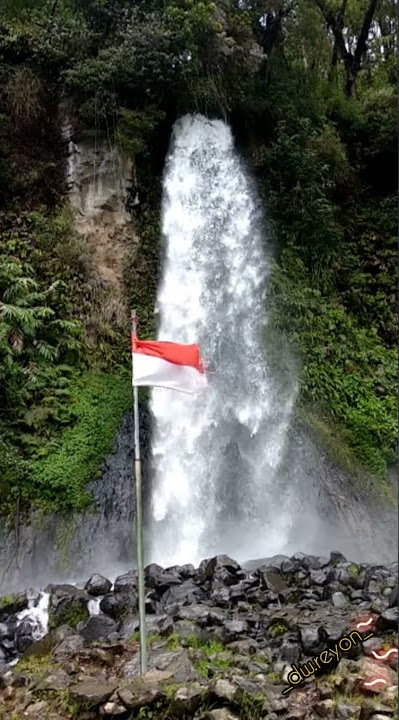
(309, 87)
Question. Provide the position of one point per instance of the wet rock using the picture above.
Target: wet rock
(186, 593)
(118, 604)
(336, 557)
(12, 604)
(126, 582)
(24, 636)
(98, 585)
(97, 627)
(216, 565)
(159, 579)
(67, 605)
(92, 692)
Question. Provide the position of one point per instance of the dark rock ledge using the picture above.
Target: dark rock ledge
(222, 639)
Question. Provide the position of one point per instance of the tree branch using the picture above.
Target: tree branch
(361, 46)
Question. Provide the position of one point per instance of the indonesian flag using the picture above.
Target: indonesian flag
(166, 364)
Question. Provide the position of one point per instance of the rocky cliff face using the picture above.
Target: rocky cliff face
(55, 548)
(99, 187)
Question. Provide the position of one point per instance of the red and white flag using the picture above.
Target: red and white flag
(169, 365)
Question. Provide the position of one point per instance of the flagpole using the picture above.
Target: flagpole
(139, 522)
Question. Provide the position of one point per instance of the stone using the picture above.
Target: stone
(57, 679)
(311, 640)
(186, 593)
(126, 582)
(159, 625)
(98, 585)
(118, 604)
(221, 597)
(159, 579)
(69, 646)
(97, 627)
(233, 629)
(338, 599)
(112, 708)
(62, 632)
(223, 690)
(208, 568)
(370, 708)
(67, 605)
(138, 694)
(345, 711)
(38, 710)
(186, 571)
(92, 692)
(219, 714)
(187, 699)
(272, 581)
(247, 646)
(324, 708)
(318, 577)
(388, 620)
(336, 557)
(24, 636)
(197, 613)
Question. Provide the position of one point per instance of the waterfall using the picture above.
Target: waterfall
(216, 455)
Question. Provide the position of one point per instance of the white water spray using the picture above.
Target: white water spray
(216, 454)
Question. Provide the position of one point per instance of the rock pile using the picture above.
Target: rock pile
(222, 642)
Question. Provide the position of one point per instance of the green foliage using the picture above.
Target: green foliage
(278, 629)
(346, 370)
(61, 473)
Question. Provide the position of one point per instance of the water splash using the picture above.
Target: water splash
(216, 455)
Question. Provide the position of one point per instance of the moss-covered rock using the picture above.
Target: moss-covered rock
(11, 604)
(67, 606)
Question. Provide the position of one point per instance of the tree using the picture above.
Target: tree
(352, 56)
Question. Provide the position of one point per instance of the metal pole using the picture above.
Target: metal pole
(139, 523)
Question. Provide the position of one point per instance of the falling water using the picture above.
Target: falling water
(216, 454)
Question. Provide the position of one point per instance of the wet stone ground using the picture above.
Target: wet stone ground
(222, 642)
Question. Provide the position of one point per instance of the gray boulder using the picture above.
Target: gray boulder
(98, 585)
